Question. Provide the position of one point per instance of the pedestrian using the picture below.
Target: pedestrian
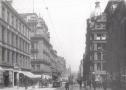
(80, 83)
(67, 86)
(25, 82)
(94, 84)
(104, 84)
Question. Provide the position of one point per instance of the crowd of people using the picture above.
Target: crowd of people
(90, 83)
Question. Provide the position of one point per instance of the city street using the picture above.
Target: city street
(72, 87)
(62, 44)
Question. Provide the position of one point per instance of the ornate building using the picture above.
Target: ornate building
(44, 60)
(95, 44)
(116, 46)
(14, 45)
(40, 44)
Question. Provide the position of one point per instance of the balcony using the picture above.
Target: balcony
(100, 72)
(99, 41)
(34, 50)
(43, 61)
(43, 69)
(7, 64)
(100, 27)
(101, 20)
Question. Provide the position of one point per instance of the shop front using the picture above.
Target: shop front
(6, 77)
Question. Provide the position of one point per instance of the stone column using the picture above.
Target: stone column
(95, 36)
(10, 58)
(14, 61)
(101, 61)
(95, 67)
(0, 54)
(5, 55)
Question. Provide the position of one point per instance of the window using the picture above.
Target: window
(28, 48)
(23, 44)
(99, 46)
(103, 36)
(91, 47)
(95, 46)
(97, 25)
(98, 36)
(3, 30)
(92, 37)
(99, 55)
(99, 66)
(17, 41)
(3, 13)
(12, 20)
(8, 17)
(20, 43)
(16, 58)
(12, 38)
(23, 29)
(8, 55)
(35, 55)
(34, 45)
(17, 24)
(3, 54)
(13, 57)
(8, 37)
(20, 27)
(38, 67)
(33, 67)
(20, 61)
(95, 56)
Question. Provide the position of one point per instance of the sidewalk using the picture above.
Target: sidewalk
(16, 88)
(88, 88)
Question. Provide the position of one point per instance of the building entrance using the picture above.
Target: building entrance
(15, 78)
(6, 78)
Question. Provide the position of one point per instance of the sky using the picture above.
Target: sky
(66, 20)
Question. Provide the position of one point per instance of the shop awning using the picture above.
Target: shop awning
(29, 74)
(1, 69)
(5, 69)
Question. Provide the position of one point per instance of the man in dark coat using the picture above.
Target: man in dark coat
(67, 85)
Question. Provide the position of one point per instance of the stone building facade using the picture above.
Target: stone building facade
(116, 46)
(14, 45)
(40, 44)
(44, 59)
(96, 40)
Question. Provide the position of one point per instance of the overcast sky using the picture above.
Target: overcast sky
(66, 20)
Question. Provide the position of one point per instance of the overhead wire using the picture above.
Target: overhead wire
(51, 21)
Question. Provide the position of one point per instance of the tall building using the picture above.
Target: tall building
(14, 45)
(58, 65)
(81, 70)
(40, 44)
(44, 59)
(116, 46)
(96, 43)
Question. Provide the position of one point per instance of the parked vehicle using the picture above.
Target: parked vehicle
(56, 84)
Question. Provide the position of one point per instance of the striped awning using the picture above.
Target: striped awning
(1, 69)
(5, 69)
(29, 74)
